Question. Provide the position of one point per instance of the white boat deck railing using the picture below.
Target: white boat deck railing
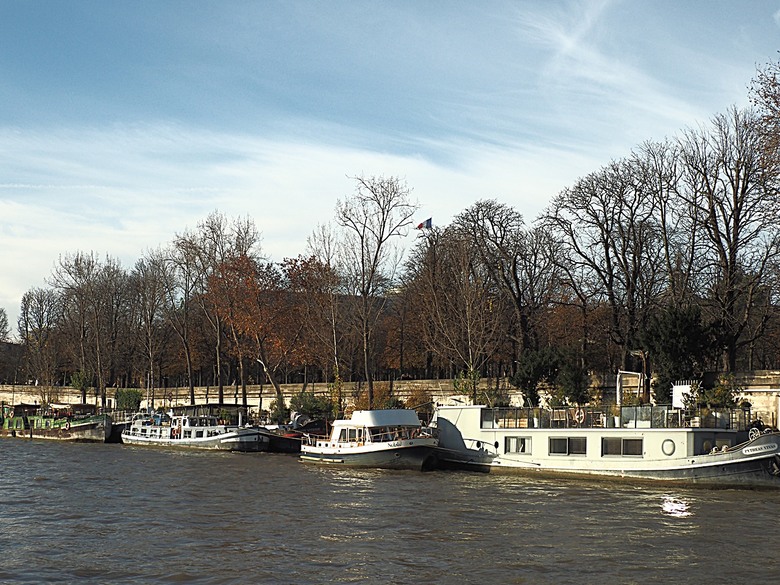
(644, 416)
(375, 435)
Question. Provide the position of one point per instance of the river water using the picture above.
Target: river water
(94, 513)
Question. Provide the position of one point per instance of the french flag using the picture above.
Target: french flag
(426, 225)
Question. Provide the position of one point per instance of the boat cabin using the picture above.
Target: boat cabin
(178, 426)
(227, 414)
(376, 426)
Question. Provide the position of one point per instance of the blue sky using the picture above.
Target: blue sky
(124, 123)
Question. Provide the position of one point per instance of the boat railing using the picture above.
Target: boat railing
(611, 416)
(313, 440)
(480, 445)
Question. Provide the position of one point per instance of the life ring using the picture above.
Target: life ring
(11, 413)
(579, 416)
(67, 425)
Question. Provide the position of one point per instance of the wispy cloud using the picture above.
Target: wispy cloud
(134, 123)
(600, 84)
(125, 190)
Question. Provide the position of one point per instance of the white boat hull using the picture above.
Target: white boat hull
(419, 455)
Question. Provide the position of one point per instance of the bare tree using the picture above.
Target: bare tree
(116, 293)
(611, 247)
(733, 192)
(377, 213)
(518, 260)
(461, 307)
(178, 273)
(214, 243)
(660, 167)
(223, 284)
(149, 277)
(94, 295)
(5, 330)
(765, 96)
(322, 288)
(71, 279)
(38, 321)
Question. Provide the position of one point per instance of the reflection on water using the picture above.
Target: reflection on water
(677, 507)
(112, 513)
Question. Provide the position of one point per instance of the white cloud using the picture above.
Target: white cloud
(123, 191)
(463, 104)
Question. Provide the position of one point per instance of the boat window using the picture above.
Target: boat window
(187, 434)
(343, 436)
(619, 446)
(488, 420)
(632, 447)
(611, 446)
(568, 445)
(352, 435)
(577, 445)
(517, 445)
(559, 446)
(198, 434)
(379, 434)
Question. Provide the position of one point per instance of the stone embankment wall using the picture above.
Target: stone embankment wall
(761, 389)
(258, 397)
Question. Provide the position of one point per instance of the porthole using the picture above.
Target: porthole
(667, 447)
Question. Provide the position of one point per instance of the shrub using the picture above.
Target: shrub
(128, 399)
(279, 413)
(316, 407)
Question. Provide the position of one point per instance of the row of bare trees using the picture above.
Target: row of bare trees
(208, 308)
(666, 260)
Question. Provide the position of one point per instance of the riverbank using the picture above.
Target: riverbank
(761, 389)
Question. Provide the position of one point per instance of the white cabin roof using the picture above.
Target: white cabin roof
(381, 418)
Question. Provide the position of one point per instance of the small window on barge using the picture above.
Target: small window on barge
(568, 445)
(488, 419)
(621, 447)
(517, 445)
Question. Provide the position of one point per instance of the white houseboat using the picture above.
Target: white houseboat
(659, 443)
(388, 439)
(192, 431)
